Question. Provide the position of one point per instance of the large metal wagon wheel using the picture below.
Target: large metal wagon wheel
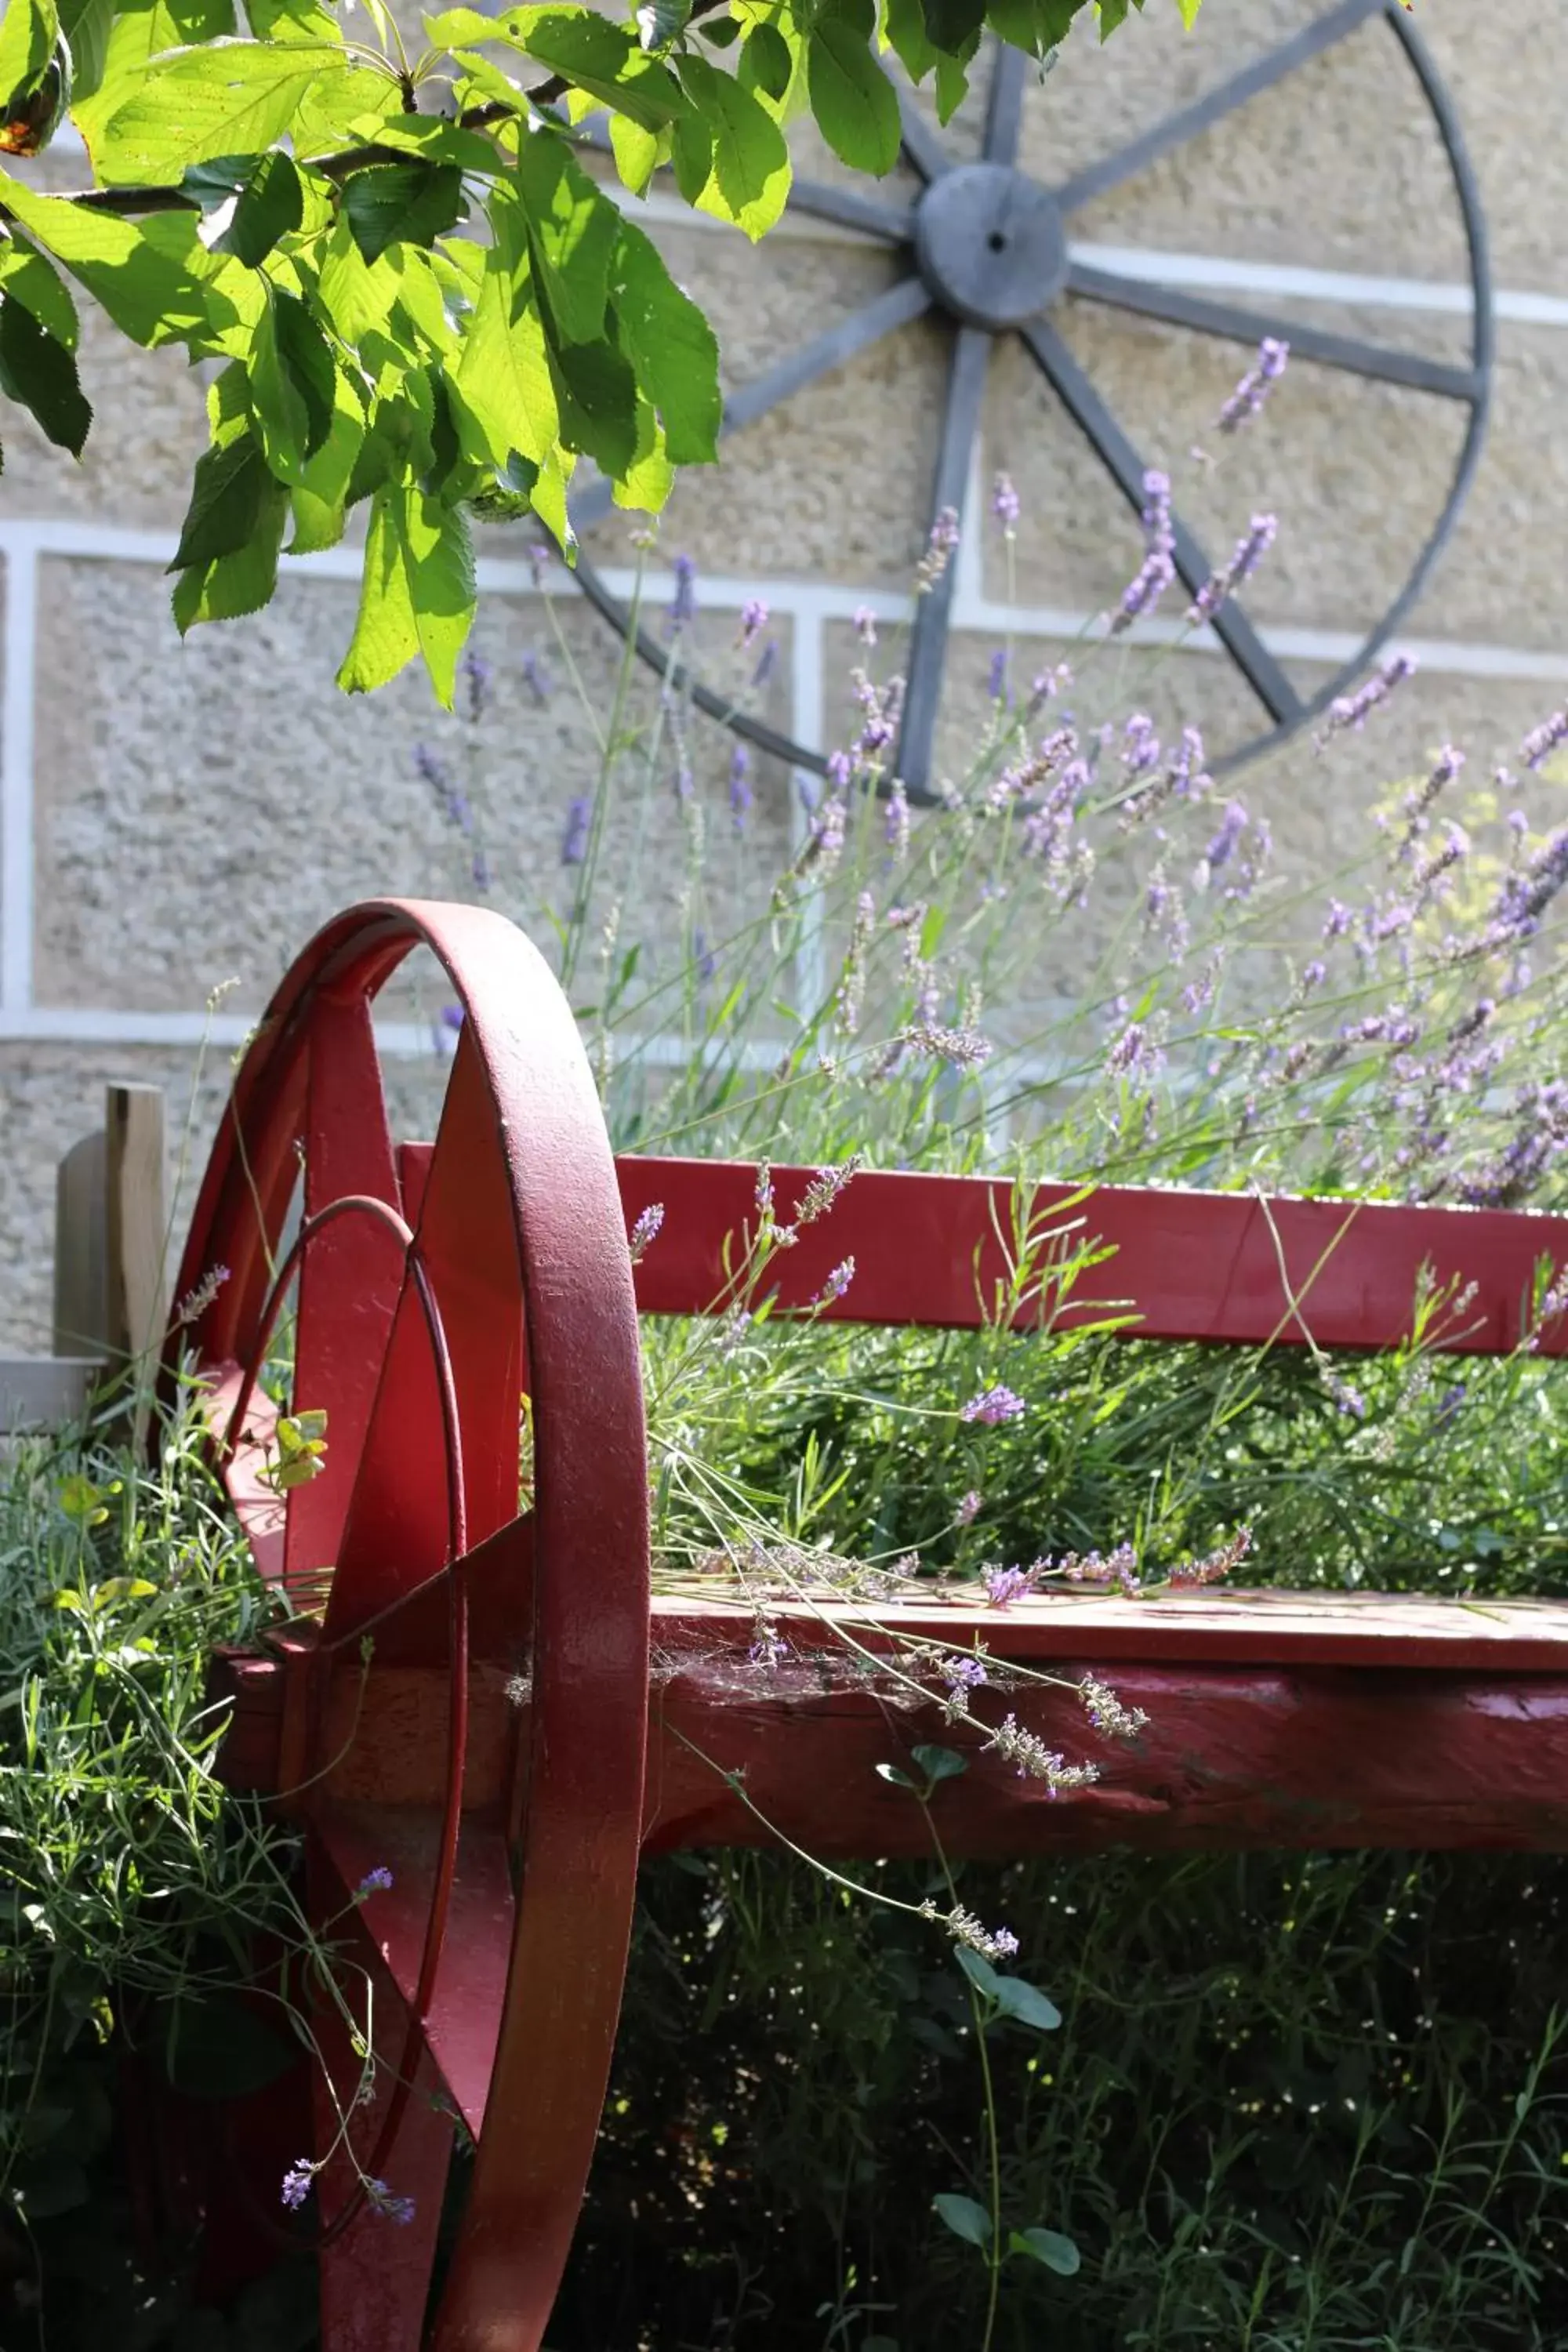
(425, 1300)
(987, 250)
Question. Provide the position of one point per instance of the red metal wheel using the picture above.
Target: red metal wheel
(491, 1753)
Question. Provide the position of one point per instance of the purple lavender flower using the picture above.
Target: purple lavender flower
(574, 840)
(452, 1017)
(740, 795)
(1353, 709)
(1246, 556)
(827, 832)
(537, 678)
(704, 962)
(753, 621)
(480, 870)
(1006, 1584)
(1004, 505)
(1141, 744)
(994, 1405)
(767, 662)
(1256, 386)
(963, 1048)
(1158, 568)
(964, 1673)
(968, 1509)
(841, 770)
(645, 1231)
(478, 677)
(683, 603)
(939, 547)
(1542, 741)
(374, 1882)
(1221, 847)
(865, 624)
(393, 2208)
(297, 2184)
(837, 1284)
(996, 684)
(453, 800)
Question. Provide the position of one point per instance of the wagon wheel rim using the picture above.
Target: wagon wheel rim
(423, 1310)
(924, 292)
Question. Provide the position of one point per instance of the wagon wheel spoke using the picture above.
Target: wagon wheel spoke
(350, 1274)
(898, 307)
(921, 146)
(1090, 413)
(1191, 122)
(928, 638)
(1005, 104)
(1176, 307)
(404, 1512)
(893, 224)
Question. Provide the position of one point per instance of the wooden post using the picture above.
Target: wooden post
(81, 1310)
(135, 1223)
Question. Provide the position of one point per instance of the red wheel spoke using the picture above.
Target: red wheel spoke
(349, 1275)
(399, 1523)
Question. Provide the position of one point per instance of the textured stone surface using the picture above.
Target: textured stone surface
(203, 808)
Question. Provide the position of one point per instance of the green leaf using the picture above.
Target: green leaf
(228, 495)
(40, 374)
(292, 378)
(572, 235)
(503, 377)
(952, 80)
(950, 23)
(1026, 2004)
(907, 39)
(596, 394)
(965, 2218)
(660, 21)
(854, 103)
(28, 31)
(900, 1779)
(417, 593)
(636, 151)
(293, 20)
(31, 280)
(671, 346)
(320, 497)
(402, 204)
(939, 1763)
(1036, 26)
(152, 277)
(766, 63)
(139, 31)
(978, 1970)
(739, 170)
(602, 59)
(269, 204)
(235, 584)
(357, 296)
(231, 97)
(87, 24)
(1048, 2246)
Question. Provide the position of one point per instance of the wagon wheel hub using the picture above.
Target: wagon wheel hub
(983, 250)
(991, 244)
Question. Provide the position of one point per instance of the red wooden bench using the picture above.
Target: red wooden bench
(499, 1754)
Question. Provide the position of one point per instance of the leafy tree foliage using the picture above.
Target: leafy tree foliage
(420, 299)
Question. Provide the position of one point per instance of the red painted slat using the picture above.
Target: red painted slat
(1408, 1631)
(1188, 1265)
(929, 1250)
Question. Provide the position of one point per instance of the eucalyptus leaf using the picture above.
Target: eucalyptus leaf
(964, 2217)
(1049, 2247)
(939, 1763)
(1026, 2004)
